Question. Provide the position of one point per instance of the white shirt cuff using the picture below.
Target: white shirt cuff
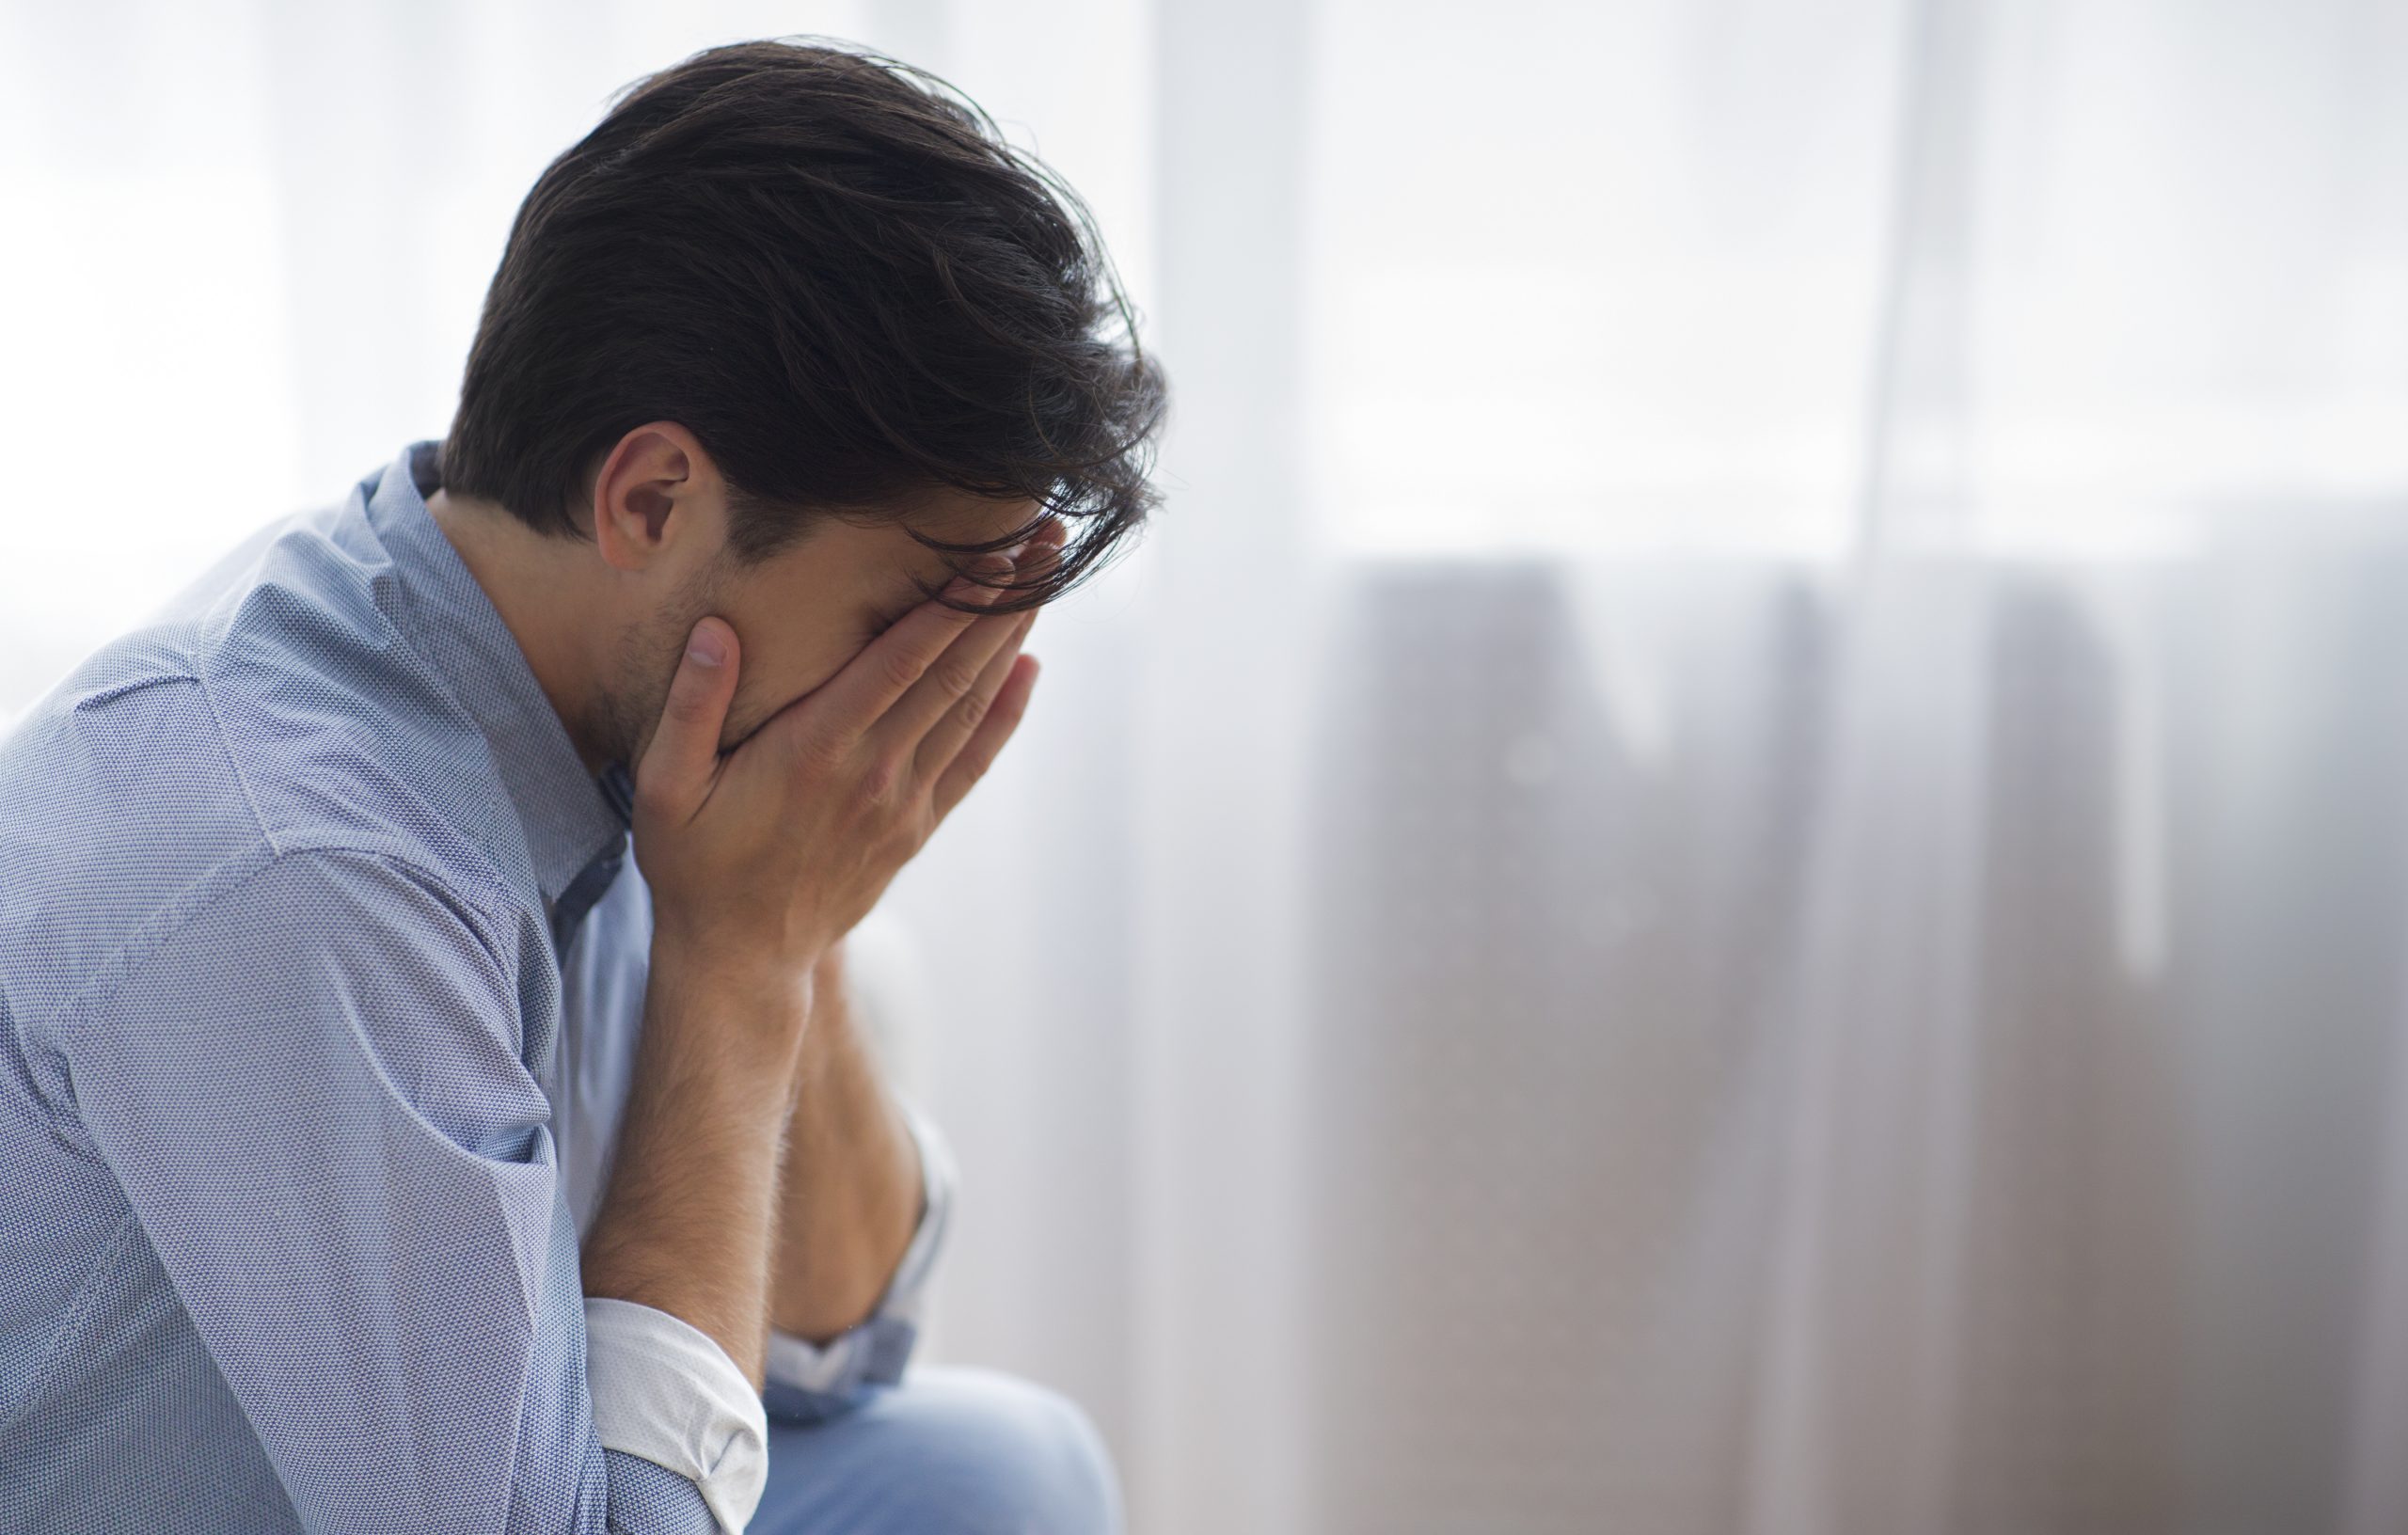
(844, 1361)
(664, 1390)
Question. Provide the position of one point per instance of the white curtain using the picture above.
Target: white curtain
(1734, 861)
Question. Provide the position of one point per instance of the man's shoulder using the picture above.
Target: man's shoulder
(276, 708)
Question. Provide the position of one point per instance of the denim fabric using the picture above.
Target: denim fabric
(953, 1452)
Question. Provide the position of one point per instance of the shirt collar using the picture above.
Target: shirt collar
(571, 818)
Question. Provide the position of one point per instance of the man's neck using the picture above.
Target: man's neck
(528, 578)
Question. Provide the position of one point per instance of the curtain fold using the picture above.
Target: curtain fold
(1734, 862)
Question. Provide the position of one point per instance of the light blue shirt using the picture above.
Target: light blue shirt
(322, 964)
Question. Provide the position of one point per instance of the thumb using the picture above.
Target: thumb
(683, 754)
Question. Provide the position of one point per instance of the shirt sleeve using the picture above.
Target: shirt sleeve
(665, 1392)
(314, 1089)
(807, 1382)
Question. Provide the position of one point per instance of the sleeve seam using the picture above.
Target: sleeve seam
(120, 971)
(110, 975)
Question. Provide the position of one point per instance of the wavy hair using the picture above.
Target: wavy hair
(831, 269)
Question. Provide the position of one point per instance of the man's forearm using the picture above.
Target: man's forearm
(686, 1223)
(849, 1193)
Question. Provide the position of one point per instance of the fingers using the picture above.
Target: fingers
(682, 758)
(1003, 717)
(873, 682)
(957, 687)
(954, 728)
(902, 683)
(944, 685)
(1044, 543)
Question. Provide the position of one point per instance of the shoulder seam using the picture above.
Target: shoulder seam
(233, 760)
(111, 974)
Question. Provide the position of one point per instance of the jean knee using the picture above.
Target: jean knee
(976, 1452)
(1038, 1454)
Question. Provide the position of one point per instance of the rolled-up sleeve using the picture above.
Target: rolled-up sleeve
(807, 1382)
(665, 1392)
(312, 1088)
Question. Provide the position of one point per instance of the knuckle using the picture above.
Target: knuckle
(819, 755)
(958, 674)
(882, 783)
(900, 670)
(971, 709)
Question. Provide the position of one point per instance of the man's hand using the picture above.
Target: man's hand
(764, 856)
(759, 860)
(849, 1189)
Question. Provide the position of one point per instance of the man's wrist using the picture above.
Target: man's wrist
(733, 933)
(757, 1010)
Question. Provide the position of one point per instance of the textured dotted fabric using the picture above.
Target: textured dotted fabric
(286, 1238)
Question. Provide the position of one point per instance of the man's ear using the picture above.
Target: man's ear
(657, 490)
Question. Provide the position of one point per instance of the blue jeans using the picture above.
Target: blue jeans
(949, 1452)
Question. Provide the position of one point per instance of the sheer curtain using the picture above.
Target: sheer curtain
(1733, 863)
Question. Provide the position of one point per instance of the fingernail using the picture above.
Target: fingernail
(704, 647)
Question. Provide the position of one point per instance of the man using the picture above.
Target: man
(385, 1150)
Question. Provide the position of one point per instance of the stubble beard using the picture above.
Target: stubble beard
(645, 661)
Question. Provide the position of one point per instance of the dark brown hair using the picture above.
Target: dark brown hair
(832, 270)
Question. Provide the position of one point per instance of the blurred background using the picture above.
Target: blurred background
(1734, 861)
